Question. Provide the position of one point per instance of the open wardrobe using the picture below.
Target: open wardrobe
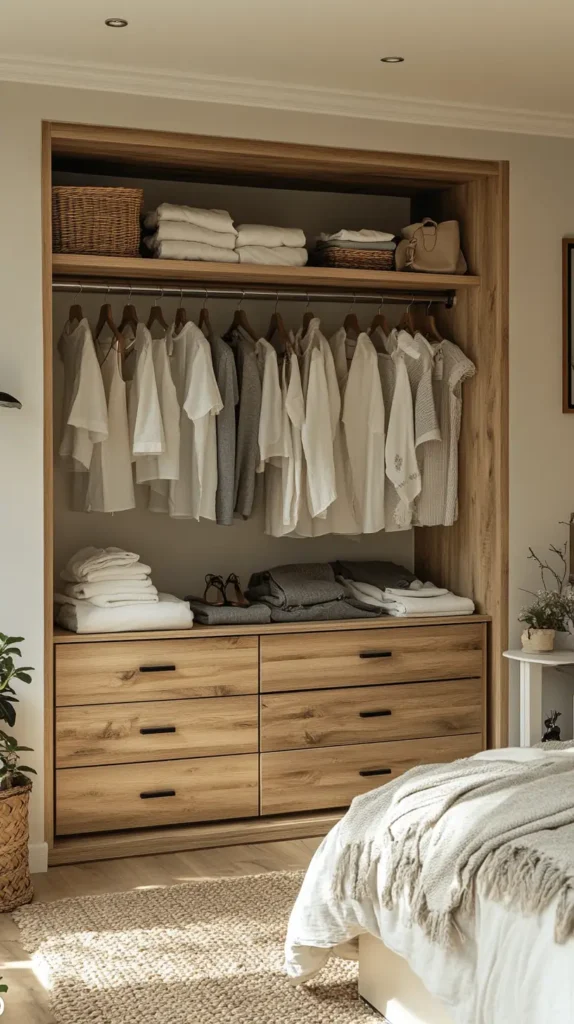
(296, 467)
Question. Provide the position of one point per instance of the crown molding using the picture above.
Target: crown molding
(281, 96)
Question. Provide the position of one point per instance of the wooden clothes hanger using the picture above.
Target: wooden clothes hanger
(277, 327)
(129, 317)
(379, 320)
(407, 321)
(156, 317)
(431, 330)
(181, 317)
(307, 317)
(76, 312)
(351, 323)
(204, 319)
(240, 320)
(106, 319)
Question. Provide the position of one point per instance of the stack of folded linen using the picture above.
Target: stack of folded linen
(110, 590)
(393, 590)
(364, 241)
(306, 592)
(261, 243)
(191, 233)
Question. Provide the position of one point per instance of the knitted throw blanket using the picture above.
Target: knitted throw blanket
(441, 831)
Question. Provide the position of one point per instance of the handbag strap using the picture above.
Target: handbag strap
(429, 227)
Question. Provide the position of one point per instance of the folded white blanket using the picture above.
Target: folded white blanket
(98, 558)
(87, 591)
(195, 251)
(214, 220)
(364, 235)
(450, 604)
(266, 235)
(181, 231)
(139, 571)
(84, 617)
(120, 600)
(282, 256)
(423, 591)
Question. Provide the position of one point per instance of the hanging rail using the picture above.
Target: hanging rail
(398, 298)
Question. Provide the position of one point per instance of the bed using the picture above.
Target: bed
(502, 962)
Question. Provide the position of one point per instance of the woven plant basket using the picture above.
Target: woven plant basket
(98, 221)
(15, 883)
(356, 259)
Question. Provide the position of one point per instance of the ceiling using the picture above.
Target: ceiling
(504, 55)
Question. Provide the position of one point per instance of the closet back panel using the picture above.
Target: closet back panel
(181, 552)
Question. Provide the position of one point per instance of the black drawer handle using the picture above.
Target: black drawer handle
(158, 728)
(158, 793)
(372, 714)
(376, 771)
(376, 654)
(157, 668)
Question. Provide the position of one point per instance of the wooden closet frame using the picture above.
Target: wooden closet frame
(472, 556)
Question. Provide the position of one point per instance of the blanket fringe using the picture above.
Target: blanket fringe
(523, 879)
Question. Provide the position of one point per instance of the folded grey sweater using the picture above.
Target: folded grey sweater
(228, 615)
(295, 586)
(378, 574)
(328, 611)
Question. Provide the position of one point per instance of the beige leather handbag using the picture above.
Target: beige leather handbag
(431, 248)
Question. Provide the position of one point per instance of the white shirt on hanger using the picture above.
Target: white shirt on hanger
(322, 407)
(85, 420)
(164, 466)
(364, 425)
(110, 483)
(192, 496)
(144, 412)
(272, 435)
(283, 475)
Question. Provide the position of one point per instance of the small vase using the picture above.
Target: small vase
(536, 641)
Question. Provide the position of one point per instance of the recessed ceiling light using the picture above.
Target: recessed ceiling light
(392, 60)
(116, 22)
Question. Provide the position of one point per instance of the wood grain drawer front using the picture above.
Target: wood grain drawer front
(364, 714)
(97, 734)
(308, 780)
(361, 657)
(161, 793)
(135, 670)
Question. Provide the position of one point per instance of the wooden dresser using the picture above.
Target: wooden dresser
(265, 728)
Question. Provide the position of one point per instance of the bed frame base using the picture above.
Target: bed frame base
(387, 983)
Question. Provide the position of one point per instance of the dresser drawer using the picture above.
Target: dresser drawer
(365, 714)
(97, 734)
(308, 780)
(361, 657)
(135, 670)
(161, 793)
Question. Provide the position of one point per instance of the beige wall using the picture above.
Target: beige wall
(542, 211)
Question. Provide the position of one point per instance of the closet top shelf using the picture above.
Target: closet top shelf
(108, 268)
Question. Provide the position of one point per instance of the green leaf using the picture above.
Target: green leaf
(13, 639)
(3, 988)
(23, 676)
(26, 768)
(7, 711)
(13, 650)
(29, 749)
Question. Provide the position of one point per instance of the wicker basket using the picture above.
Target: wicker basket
(101, 221)
(357, 259)
(15, 883)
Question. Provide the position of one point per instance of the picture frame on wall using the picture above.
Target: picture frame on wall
(568, 324)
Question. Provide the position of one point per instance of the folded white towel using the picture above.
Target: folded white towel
(195, 251)
(282, 256)
(450, 604)
(84, 617)
(88, 591)
(139, 571)
(111, 600)
(364, 235)
(264, 234)
(424, 590)
(214, 220)
(180, 231)
(90, 558)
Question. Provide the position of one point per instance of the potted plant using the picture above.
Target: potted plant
(552, 610)
(15, 786)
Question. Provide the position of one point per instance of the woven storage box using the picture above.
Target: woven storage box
(100, 221)
(357, 259)
(15, 883)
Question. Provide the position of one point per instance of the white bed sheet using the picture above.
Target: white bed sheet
(507, 968)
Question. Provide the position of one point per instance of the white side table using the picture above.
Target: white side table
(531, 666)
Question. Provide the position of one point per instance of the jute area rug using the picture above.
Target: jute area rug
(208, 952)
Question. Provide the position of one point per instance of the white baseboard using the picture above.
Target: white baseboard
(38, 853)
